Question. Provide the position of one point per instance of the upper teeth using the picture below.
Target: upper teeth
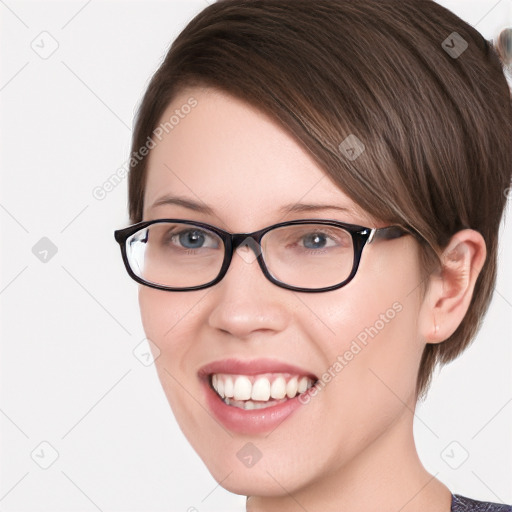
(260, 387)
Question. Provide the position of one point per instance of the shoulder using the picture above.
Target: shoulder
(464, 504)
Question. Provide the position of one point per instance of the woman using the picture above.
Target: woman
(316, 190)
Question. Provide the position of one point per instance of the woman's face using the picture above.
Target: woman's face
(362, 341)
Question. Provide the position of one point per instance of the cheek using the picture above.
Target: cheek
(380, 355)
(372, 345)
(372, 350)
(168, 317)
(370, 313)
(370, 367)
(169, 323)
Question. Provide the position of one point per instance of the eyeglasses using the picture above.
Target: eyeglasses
(309, 255)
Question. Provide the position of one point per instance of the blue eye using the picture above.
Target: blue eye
(194, 239)
(314, 240)
(191, 239)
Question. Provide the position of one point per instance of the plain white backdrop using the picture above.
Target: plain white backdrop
(84, 422)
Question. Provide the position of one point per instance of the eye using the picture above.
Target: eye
(194, 239)
(316, 240)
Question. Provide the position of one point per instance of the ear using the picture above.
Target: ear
(450, 288)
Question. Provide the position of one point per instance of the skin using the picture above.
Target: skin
(352, 446)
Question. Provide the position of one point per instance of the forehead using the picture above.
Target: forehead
(217, 150)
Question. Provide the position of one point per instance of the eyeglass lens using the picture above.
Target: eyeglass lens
(185, 255)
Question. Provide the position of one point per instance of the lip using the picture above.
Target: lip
(252, 367)
(255, 421)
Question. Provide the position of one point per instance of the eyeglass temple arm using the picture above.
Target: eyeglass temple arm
(388, 233)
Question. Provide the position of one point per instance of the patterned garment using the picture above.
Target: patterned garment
(463, 504)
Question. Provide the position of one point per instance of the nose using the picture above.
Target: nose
(245, 301)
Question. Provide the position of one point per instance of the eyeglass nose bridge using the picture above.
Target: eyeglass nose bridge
(235, 240)
(251, 240)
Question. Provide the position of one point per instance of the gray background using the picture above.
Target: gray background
(71, 337)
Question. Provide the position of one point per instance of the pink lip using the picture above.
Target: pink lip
(255, 421)
(252, 367)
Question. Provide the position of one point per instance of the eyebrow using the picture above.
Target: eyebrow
(204, 208)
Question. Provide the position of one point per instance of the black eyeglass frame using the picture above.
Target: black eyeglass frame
(361, 236)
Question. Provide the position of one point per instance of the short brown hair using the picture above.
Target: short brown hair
(436, 126)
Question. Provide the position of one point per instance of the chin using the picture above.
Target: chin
(247, 483)
(267, 477)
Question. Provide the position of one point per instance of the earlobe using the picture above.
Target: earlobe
(451, 288)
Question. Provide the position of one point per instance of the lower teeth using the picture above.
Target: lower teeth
(250, 404)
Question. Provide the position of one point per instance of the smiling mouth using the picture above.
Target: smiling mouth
(259, 391)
